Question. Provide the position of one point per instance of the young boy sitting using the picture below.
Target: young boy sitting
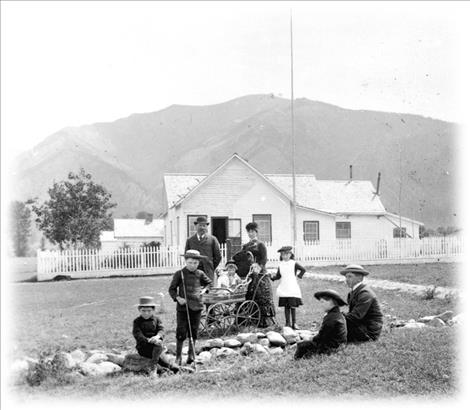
(228, 278)
(332, 332)
(148, 333)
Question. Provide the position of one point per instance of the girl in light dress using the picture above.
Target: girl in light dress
(288, 290)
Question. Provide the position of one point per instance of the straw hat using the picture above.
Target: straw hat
(193, 254)
(330, 294)
(146, 301)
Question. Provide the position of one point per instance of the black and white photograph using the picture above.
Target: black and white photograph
(252, 204)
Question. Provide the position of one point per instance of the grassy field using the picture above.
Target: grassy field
(439, 274)
(97, 314)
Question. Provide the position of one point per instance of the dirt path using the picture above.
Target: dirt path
(438, 292)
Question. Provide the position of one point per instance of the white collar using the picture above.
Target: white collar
(356, 286)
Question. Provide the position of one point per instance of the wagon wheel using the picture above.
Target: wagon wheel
(203, 324)
(219, 320)
(248, 315)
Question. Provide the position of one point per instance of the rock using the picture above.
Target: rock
(78, 355)
(92, 352)
(19, 369)
(436, 322)
(446, 316)
(260, 335)
(258, 349)
(88, 369)
(426, 319)
(108, 368)
(218, 343)
(232, 343)
(203, 357)
(456, 320)
(276, 339)
(198, 347)
(247, 337)
(97, 357)
(213, 351)
(64, 359)
(247, 349)
(136, 363)
(116, 358)
(171, 348)
(413, 325)
(264, 342)
(225, 351)
(276, 351)
(290, 335)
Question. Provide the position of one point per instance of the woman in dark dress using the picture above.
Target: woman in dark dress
(259, 289)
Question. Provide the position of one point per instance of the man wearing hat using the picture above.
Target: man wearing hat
(365, 319)
(332, 332)
(207, 245)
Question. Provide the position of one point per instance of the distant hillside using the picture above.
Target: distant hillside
(130, 155)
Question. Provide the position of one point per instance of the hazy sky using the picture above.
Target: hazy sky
(69, 64)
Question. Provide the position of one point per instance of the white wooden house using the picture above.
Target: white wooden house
(132, 233)
(237, 193)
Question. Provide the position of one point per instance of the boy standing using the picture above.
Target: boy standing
(148, 332)
(332, 332)
(186, 289)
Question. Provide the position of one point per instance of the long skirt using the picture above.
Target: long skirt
(261, 291)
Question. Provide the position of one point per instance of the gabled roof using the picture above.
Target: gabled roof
(335, 197)
(132, 228)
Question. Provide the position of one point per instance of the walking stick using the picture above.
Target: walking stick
(191, 340)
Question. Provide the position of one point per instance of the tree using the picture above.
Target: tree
(20, 227)
(76, 213)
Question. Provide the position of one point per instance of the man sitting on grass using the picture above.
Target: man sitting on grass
(148, 333)
(365, 318)
(332, 332)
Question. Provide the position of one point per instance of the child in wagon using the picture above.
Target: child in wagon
(228, 278)
(288, 290)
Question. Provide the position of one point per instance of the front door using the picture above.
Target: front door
(220, 228)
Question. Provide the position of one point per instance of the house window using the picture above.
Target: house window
(264, 227)
(311, 231)
(343, 230)
(397, 233)
(191, 227)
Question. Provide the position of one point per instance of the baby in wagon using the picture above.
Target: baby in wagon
(228, 278)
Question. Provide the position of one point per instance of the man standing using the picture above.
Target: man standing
(207, 245)
(364, 320)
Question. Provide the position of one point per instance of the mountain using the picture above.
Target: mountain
(130, 155)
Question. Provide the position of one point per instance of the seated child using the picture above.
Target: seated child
(228, 278)
(148, 333)
(332, 332)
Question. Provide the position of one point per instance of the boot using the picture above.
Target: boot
(179, 351)
(294, 325)
(287, 315)
(191, 356)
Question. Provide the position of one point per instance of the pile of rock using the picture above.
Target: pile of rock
(442, 320)
(101, 363)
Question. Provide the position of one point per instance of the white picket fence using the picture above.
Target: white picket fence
(85, 263)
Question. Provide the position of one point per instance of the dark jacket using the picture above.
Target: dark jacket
(364, 313)
(193, 282)
(144, 329)
(333, 330)
(259, 251)
(208, 246)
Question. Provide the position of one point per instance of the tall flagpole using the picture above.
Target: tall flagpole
(294, 216)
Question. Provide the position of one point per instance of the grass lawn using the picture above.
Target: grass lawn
(97, 314)
(439, 274)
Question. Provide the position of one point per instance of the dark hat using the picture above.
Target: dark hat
(146, 301)
(285, 249)
(330, 294)
(354, 269)
(251, 226)
(231, 262)
(193, 254)
(201, 220)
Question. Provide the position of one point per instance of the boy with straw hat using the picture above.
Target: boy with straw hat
(186, 288)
